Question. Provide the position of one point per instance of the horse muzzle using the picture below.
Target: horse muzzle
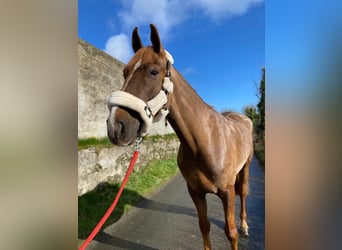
(122, 127)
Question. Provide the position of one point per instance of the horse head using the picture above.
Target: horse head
(145, 92)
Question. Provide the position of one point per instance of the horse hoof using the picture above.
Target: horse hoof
(244, 231)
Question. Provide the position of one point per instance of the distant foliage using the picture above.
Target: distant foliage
(252, 113)
(257, 115)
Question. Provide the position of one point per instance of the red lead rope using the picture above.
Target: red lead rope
(112, 207)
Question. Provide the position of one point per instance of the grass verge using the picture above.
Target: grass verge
(104, 142)
(93, 205)
(94, 142)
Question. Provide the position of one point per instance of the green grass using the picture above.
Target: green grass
(163, 137)
(93, 205)
(104, 142)
(93, 142)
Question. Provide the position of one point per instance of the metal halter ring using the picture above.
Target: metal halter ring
(148, 111)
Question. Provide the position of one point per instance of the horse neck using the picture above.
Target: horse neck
(187, 112)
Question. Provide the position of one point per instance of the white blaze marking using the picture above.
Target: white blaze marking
(136, 66)
(112, 117)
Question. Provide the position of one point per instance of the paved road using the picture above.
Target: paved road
(168, 220)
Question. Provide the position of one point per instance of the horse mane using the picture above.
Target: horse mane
(227, 113)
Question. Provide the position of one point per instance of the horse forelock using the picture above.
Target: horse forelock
(150, 56)
(147, 56)
(142, 58)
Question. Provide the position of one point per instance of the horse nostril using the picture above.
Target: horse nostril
(120, 129)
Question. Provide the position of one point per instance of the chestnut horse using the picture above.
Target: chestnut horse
(215, 149)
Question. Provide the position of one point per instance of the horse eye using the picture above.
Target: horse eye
(154, 72)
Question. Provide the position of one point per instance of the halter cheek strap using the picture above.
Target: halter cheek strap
(146, 110)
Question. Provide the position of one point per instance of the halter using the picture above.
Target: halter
(146, 110)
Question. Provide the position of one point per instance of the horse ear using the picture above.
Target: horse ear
(136, 41)
(155, 39)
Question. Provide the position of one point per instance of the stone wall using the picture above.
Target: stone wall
(110, 164)
(99, 75)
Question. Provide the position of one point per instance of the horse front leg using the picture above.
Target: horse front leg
(228, 199)
(204, 224)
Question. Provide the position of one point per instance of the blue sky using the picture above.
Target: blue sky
(218, 45)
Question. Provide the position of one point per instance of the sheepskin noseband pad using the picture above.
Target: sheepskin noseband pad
(124, 99)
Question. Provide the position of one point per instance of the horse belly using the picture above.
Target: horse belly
(199, 182)
(195, 176)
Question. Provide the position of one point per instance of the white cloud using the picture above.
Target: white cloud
(165, 14)
(218, 9)
(118, 46)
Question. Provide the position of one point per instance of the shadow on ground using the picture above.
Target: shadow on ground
(94, 204)
(111, 240)
(146, 203)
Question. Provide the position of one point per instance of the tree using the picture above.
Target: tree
(260, 128)
(257, 115)
(261, 104)
(252, 113)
